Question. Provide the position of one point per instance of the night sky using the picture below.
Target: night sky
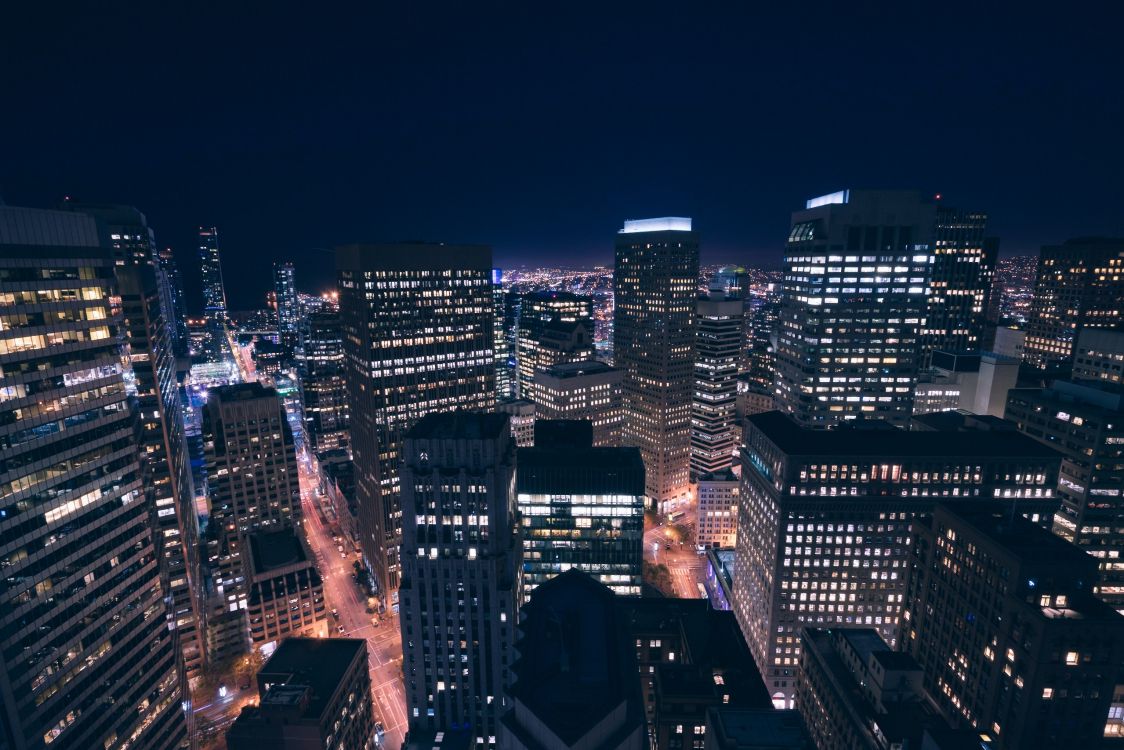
(538, 128)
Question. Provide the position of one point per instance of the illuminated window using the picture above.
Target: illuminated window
(1071, 658)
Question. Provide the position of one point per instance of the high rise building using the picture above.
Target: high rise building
(718, 351)
(762, 324)
(718, 509)
(253, 485)
(214, 294)
(418, 337)
(288, 307)
(170, 282)
(285, 594)
(857, 269)
(588, 390)
(1099, 356)
(566, 320)
(314, 693)
(460, 589)
(823, 525)
(1080, 284)
(655, 285)
(523, 415)
(147, 331)
(1000, 615)
(505, 374)
(326, 415)
(960, 293)
(88, 659)
(1085, 423)
(581, 507)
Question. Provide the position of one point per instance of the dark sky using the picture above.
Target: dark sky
(539, 127)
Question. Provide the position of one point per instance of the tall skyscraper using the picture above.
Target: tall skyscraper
(581, 507)
(460, 586)
(418, 337)
(1000, 616)
(655, 283)
(505, 374)
(1080, 284)
(326, 416)
(253, 484)
(175, 303)
(824, 521)
(718, 351)
(857, 269)
(963, 274)
(288, 307)
(1084, 422)
(546, 336)
(88, 659)
(214, 294)
(147, 332)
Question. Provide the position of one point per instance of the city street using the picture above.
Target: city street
(687, 567)
(384, 642)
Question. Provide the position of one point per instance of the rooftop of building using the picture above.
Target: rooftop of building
(576, 661)
(723, 475)
(579, 369)
(547, 295)
(565, 434)
(580, 469)
(886, 444)
(241, 392)
(958, 420)
(320, 664)
(750, 728)
(1019, 537)
(413, 256)
(275, 549)
(662, 224)
(422, 739)
(1095, 394)
(460, 425)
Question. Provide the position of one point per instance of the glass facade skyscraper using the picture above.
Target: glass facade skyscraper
(288, 306)
(214, 294)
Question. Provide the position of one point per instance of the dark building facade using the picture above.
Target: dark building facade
(214, 295)
(288, 306)
(824, 522)
(417, 323)
(460, 589)
(1001, 616)
(547, 323)
(324, 388)
(1080, 284)
(655, 283)
(718, 351)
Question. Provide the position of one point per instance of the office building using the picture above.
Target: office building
(1001, 617)
(755, 729)
(523, 415)
(286, 594)
(214, 296)
(417, 326)
(576, 680)
(763, 309)
(505, 373)
(856, 693)
(857, 268)
(978, 383)
(583, 390)
(718, 509)
(823, 526)
(1010, 342)
(654, 282)
(581, 507)
(460, 589)
(253, 486)
(1084, 421)
(89, 659)
(314, 693)
(174, 300)
(718, 351)
(554, 328)
(1079, 285)
(288, 307)
(963, 274)
(692, 658)
(1099, 356)
(326, 415)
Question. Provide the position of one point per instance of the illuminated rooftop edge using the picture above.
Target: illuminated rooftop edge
(826, 200)
(664, 224)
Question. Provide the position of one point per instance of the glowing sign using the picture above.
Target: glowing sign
(843, 196)
(665, 224)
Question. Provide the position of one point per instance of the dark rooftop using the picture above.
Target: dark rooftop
(958, 420)
(321, 664)
(580, 470)
(275, 549)
(751, 728)
(459, 425)
(241, 391)
(796, 441)
(1021, 538)
(577, 369)
(564, 433)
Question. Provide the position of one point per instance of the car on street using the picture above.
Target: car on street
(336, 615)
(379, 730)
(341, 630)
